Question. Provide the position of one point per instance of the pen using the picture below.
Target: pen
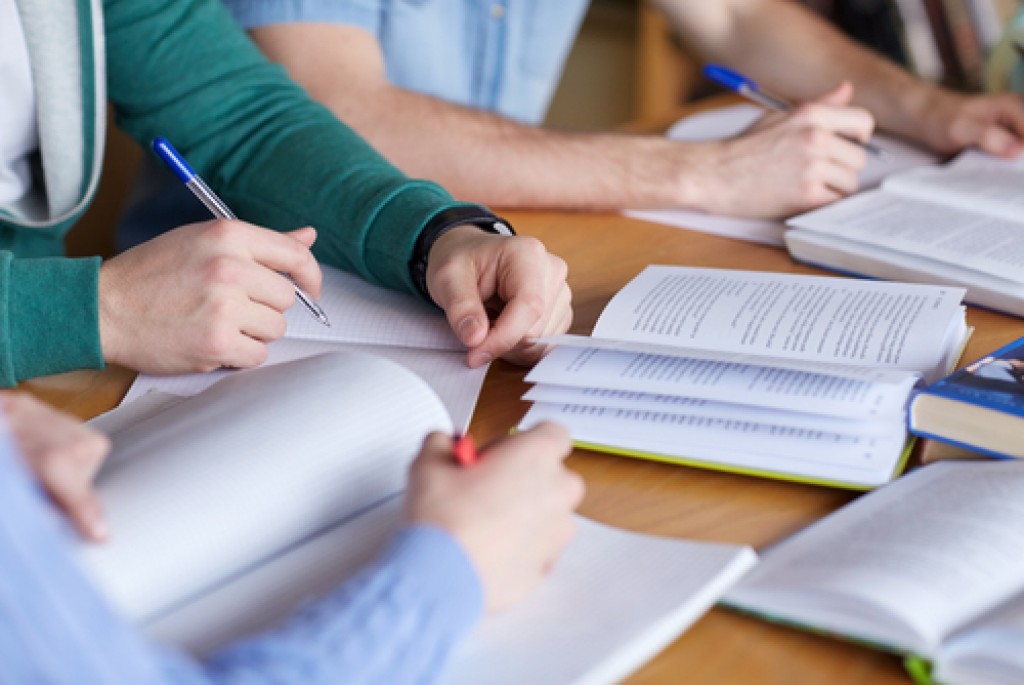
(173, 159)
(464, 449)
(748, 88)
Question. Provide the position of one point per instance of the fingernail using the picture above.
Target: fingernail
(467, 328)
(481, 358)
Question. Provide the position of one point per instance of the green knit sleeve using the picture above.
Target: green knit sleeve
(183, 70)
(49, 316)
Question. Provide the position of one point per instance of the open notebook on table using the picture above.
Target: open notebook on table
(726, 122)
(280, 482)
(365, 318)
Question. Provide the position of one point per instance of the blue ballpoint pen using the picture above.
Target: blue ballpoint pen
(748, 88)
(173, 159)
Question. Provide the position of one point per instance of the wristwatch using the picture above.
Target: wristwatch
(441, 223)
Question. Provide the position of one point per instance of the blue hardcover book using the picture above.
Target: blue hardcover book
(980, 407)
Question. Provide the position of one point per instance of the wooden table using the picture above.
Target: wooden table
(604, 251)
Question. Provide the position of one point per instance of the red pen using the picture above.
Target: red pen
(464, 449)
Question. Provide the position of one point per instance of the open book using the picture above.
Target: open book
(365, 318)
(277, 483)
(929, 565)
(800, 377)
(961, 224)
(726, 122)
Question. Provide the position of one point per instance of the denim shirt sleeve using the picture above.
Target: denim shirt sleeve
(252, 14)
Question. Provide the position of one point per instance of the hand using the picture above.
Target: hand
(511, 512)
(786, 163)
(951, 122)
(470, 272)
(202, 296)
(64, 454)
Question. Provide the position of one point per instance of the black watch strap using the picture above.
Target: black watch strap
(441, 223)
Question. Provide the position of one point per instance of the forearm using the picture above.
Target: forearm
(792, 52)
(478, 156)
(483, 157)
(279, 159)
(395, 622)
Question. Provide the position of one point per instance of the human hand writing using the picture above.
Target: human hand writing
(202, 296)
(511, 511)
(471, 272)
(786, 163)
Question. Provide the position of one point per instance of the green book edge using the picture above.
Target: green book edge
(745, 470)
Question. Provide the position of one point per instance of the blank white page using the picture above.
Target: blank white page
(234, 475)
(457, 385)
(363, 313)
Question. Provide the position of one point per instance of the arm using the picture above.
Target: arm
(808, 56)
(487, 158)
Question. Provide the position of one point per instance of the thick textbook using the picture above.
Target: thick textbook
(927, 566)
(980, 407)
(961, 224)
(279, 482)
(792, 376)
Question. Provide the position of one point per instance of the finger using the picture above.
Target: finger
(242, 352)
(455, 288)
(847, 154)
(263, 323)
(840, 95)
(305, 235)
(527, 352)
(528, 305)
(998, 141)
(281, 253)
(850, 121)
(839, 179)
(436, 451)
(67, 475)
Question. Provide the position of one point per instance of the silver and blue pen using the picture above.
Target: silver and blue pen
(748, 88)
(173, 159)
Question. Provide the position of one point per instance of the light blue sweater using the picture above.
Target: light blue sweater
(394, 623)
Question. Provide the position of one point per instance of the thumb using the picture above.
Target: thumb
(437, 449)
(841, 95)
(306, 235)
(456, 291)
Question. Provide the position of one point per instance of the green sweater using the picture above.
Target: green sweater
(183, 70)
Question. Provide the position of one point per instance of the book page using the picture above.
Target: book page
(695, 406)
(457, 385)
(960, 236)
(726, 122)
(223, 480)
(974, 181)
(363, 313)
(811, 318)
(908, 564)
(768, 387)
(987, 651)
(734, 444)
(569, 631)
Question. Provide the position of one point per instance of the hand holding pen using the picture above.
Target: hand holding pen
(748, 88)
(173, 159)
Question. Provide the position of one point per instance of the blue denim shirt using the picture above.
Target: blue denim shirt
(503, 56)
